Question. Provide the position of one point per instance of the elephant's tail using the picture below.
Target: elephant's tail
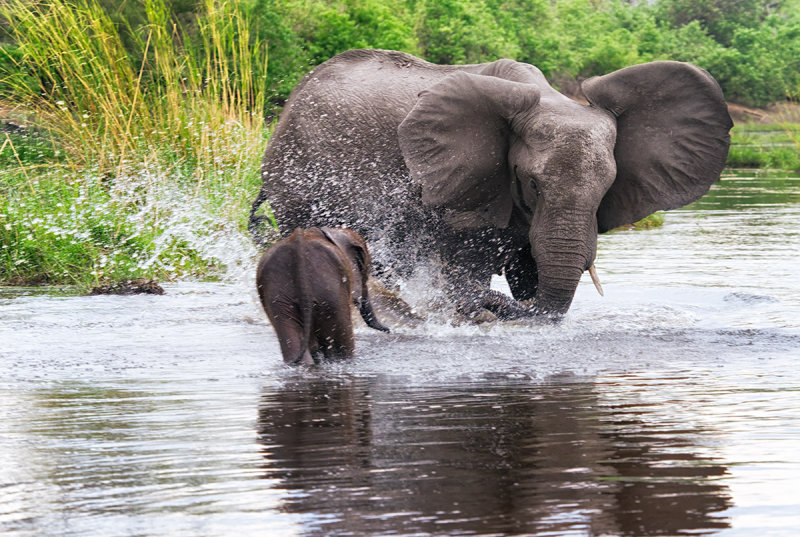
(302, 275)
(255, 222)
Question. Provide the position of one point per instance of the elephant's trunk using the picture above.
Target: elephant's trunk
(561, 259)
(557, 285)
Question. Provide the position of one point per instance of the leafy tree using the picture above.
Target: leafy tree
(532, 26)
(461, 31)
(301, 34)
(762, 63)
(356, 24)
(750, 46)
(287, 60)
(719, 18)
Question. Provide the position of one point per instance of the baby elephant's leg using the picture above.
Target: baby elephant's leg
(338, 341)
(290, 336)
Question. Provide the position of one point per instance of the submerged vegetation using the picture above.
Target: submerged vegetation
(132, 132)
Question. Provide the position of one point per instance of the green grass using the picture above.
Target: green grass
(128, 170)
(651, 221)
(783, 128)
(773, 146)
(60, 228)
(773, 158)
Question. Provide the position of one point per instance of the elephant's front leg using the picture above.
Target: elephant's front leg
(502, 306)
(470, 257)
(521, 274)
(473, 296)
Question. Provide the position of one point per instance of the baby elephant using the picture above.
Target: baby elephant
(306, 283)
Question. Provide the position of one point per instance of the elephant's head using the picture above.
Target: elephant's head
(499, 145)
(355, 250)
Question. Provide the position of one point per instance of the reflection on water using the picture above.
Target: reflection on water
(506, 458)
(668, 407)
(741, 190)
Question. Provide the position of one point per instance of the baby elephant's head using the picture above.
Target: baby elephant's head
(354, 247)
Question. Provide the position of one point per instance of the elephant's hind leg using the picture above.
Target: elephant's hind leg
(339, 342)
(290, 336)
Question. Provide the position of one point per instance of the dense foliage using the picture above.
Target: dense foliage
(128, 150)
(751, 46)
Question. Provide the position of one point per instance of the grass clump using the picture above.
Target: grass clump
(79, 231)
(651, 221)
(132, 169)
(773, 158)
(770, 146)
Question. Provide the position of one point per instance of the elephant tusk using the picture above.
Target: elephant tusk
(596, 280)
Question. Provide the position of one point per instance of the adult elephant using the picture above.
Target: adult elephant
(487, 168)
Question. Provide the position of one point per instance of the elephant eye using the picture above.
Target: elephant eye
(531, 182)
(534, 185)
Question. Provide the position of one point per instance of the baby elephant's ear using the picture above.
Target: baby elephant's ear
(355, 249)
(672, 137)
(455, 143)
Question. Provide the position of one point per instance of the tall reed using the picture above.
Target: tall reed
(159, 146)
(185, 100)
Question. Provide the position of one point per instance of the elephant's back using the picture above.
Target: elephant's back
(283, 274)
(329, 279)
(334, 158)
(362, 87)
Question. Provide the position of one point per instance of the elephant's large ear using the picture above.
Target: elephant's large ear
(672, 137)
(455, 143)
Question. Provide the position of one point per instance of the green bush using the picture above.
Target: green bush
(461, 31)
(780, 158)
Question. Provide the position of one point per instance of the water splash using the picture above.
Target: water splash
(192, 224)
(196, 225)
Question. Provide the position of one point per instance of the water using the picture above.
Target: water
(668, 407)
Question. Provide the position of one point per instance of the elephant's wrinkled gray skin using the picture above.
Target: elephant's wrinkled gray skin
(488, 167)
(306, 284)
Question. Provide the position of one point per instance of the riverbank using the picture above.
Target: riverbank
(129, 169)
(767, 138)
(62, 224)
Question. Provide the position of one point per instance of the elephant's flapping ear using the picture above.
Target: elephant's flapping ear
(455, 143)
(672, 137)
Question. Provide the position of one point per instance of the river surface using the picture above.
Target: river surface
(671, 406)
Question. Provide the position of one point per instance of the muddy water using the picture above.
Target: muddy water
(671, 406)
